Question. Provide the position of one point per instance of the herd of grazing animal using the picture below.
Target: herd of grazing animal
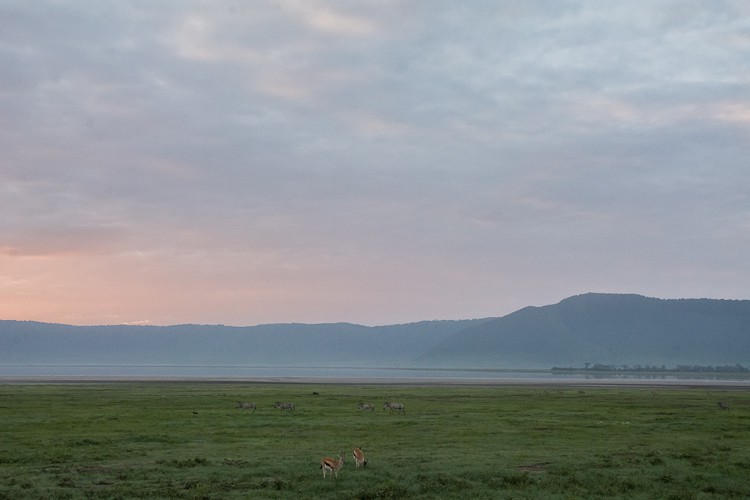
(388, 405)
(249, 405)
(329, 465)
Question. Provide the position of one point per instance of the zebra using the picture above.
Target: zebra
(399, 407)
(366, 406)
(284, 406)
(246, 405)
(723, 405)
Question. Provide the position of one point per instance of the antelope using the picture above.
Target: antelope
(399, 407)
(332, 465)
(366, 406)
(359, 458)
(246, 405)
(284, 406)
(723, 405)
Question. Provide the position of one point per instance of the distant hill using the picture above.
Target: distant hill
(593, 328)
(28, 342)
(605, 328)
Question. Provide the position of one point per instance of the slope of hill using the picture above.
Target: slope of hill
(23, 342)
(605, 328)
(593, 328)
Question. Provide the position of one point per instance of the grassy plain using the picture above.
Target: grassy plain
(187, 440)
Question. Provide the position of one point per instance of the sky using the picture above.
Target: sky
(375, 162)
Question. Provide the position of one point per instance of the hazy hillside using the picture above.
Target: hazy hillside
(592, 328)
(24, 342)
(605, 328)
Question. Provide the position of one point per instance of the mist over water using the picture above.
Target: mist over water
(339, 373)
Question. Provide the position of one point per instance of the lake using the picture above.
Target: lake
(324, 374)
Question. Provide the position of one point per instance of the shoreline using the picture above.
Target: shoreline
(383, 381)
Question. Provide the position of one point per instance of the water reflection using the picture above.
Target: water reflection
(383, 374)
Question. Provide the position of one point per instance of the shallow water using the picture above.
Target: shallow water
(350, 373)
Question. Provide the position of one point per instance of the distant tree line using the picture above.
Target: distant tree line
(599, 367)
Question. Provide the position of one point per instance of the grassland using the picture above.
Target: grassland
(168, 440)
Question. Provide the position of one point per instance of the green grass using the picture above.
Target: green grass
(186, 440)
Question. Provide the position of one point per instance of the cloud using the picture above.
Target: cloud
(332, 21)
(378, 162)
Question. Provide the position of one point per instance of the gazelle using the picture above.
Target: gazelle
(332, 465)
(359, 458)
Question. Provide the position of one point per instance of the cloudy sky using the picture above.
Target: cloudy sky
(376, 162)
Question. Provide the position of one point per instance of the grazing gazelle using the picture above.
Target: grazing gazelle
(284, 406)
(359, 458)
(246, 405)
(332, 465)
(399, 407)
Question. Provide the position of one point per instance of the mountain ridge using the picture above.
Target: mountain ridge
(614, 329)
(605, 328)
(278, 343)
